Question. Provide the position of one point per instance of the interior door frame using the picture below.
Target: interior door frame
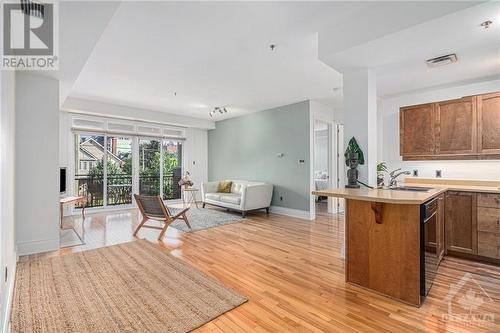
(331, 160)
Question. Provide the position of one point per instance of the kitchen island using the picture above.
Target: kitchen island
(383, 246)
(395, 239)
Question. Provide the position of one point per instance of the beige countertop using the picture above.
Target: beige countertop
(381, 195)
(411, 197)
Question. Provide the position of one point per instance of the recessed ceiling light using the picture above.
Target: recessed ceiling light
(486, 24)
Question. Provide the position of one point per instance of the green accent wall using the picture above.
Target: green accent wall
(247, 148)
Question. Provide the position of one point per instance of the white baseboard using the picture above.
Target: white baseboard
(45, 245)
(301, 214)
(8, 302)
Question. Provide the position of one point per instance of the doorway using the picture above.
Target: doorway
(322, 165)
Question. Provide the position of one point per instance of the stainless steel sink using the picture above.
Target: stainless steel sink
(411, 188)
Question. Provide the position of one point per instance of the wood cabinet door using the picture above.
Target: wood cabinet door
(440, 238)
(456, 132)
(488, 118)
(416, 130)
(461, 222)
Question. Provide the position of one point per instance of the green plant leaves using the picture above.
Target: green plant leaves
(353, 147)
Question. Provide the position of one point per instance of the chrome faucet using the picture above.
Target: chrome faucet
(394, 175)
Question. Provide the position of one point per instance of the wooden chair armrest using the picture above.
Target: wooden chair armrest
(180, 213)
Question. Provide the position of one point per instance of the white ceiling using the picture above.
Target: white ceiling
(398, 59)
(187, 58)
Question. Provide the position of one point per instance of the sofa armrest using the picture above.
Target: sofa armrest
(208, 187)
(256, 196)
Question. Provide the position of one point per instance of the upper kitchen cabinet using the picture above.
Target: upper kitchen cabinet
(465, 128)
(488, 117)
(416, 134)
(456, 126)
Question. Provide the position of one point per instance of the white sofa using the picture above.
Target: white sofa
(244, 196)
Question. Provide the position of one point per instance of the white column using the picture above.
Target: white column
(360, 119)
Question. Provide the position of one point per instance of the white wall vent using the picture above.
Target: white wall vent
(442, 60)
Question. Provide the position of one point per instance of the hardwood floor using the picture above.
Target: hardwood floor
(293, 274)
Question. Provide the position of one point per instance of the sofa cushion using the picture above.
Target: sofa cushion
(212, 196)
(224, 187)
(231, 198)
(237, 188)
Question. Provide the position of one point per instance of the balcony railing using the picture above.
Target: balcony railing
(119, 188)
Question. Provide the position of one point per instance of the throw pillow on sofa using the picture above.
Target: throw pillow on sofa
(224, 187)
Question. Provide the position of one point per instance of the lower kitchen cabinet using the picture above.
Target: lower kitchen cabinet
(488, 244)
(461, 222)
(488, 225)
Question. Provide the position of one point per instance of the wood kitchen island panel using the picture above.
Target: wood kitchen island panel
(383, 248)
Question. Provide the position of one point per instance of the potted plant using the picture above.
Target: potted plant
(381, 170)
(353, 156)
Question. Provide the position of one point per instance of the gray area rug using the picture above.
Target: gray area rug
(204, 218)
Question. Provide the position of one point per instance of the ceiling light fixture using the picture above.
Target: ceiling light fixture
(219, 109)
(272, 47)
(486, 24)
(442, 60)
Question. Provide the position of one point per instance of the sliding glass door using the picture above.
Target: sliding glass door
(119, 170)
(172, 169)
(149, 167)
(89, 168)
(110, 168)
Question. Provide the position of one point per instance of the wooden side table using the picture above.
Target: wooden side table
(81, 201)
(189, 196)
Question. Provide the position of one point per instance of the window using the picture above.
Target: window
(89, 181)
(154, 165)
(119, 170)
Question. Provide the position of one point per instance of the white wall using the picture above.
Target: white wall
(389, 147)
(8, 255)
(196, 159)
(360, 119)
(37, 163)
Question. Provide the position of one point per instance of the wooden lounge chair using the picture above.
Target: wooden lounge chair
(153, 208)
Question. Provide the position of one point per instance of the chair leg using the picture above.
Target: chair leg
(243, 214)
(162, 232)
(203, 205)
(144, 219)
(267, 210)
(186, 220)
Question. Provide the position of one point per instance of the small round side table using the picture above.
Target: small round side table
(189, 196)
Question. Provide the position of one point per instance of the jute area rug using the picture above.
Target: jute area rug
(131, 287)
